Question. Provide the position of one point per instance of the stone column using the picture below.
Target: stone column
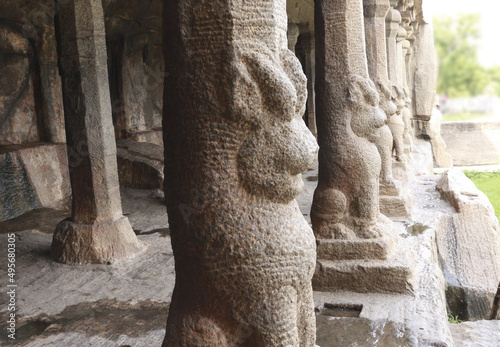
(292, 35)
(235, 145)
(310, 70)
(392, 28)
(406, 112)
(396, 123)
(51, 92)
(394, 201)
(345, 212)
(375, 12)
(97, 231)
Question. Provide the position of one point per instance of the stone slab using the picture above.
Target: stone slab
(484, 333)
(469, 245)
(35, 176)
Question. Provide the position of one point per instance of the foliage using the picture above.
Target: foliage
(465, 116)
(493, 87)
(456, 39)
(489, 184)
(453, 319)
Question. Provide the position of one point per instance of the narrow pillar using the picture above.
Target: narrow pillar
(394, 200)
(292, 36)
(345, 211)
(97, 231)
(392, 28)
(310, 70)
(396, 123)
(425, 70)
(235, 145)
(406, 112)
(375, 12)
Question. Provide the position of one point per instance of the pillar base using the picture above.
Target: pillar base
(100, 243)
(380, 265)
(393, 275)
(400, 170)
(395, 201)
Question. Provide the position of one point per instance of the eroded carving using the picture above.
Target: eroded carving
(396, 123)
(385, 140)
(235, 145)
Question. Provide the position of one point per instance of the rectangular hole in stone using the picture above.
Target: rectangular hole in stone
(341, 310)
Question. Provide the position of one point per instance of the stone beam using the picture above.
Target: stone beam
(235, 145)
(97, 231)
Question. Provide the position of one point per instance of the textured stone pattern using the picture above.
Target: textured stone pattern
(235, 145)
(470, 252)
(97, 231)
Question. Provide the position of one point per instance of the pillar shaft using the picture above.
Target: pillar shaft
(392, 28)
(235, 145)
(90, 132)
(375, 12)
(348, 115)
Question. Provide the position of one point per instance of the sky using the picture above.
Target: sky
(489, 46)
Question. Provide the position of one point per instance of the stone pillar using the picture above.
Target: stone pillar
(235, 145)
(392, 28)
(375, 12)
(97, 231)
(394, 201)
(310, 70)
(396, 123)
(51, 88)
(425, 70)
(345, 211)
(406, 112)
(292, 35)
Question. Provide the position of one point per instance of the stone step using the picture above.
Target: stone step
(393, 275)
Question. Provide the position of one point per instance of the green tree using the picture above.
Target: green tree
(493, 74)
(460, 74)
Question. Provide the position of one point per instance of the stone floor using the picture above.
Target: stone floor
(126, 304)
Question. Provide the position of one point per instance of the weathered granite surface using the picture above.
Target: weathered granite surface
(469, 247)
